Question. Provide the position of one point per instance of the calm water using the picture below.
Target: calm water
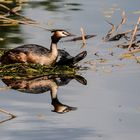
(108, 107)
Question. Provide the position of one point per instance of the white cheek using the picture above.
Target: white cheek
(63, 35)
(60, 34)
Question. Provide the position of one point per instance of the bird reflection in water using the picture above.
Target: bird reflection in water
(43, 84)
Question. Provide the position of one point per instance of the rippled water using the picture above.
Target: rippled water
(108, 107)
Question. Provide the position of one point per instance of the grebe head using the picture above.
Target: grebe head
(58, 34)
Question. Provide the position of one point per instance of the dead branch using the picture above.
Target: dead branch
(134, 33)
(110, 32)
(7, 113)
(123, 21)
(83, 37)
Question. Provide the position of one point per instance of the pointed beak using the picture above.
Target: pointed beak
(71, 34)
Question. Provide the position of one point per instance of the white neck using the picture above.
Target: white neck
(53, 50)
(52, 56)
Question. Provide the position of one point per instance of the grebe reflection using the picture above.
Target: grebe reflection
(43, 84)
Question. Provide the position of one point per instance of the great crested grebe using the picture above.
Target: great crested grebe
(32, 53)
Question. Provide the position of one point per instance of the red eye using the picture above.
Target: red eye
(64, 33)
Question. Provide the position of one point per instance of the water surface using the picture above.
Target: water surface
(108, 106)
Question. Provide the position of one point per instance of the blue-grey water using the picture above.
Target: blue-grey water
(108, 107)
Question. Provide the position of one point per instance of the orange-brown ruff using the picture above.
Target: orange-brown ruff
(32, 53)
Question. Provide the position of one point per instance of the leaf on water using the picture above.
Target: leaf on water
(126, 55)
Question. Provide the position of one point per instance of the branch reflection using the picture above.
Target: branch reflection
(43, 84)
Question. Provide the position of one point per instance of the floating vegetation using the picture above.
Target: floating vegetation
(31, 70)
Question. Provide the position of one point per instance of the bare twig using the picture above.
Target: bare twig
(5, 120)
(112, 30)
(83, 37)
(7, 113)
(5, 7)
(134, 33)
(123, 21)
